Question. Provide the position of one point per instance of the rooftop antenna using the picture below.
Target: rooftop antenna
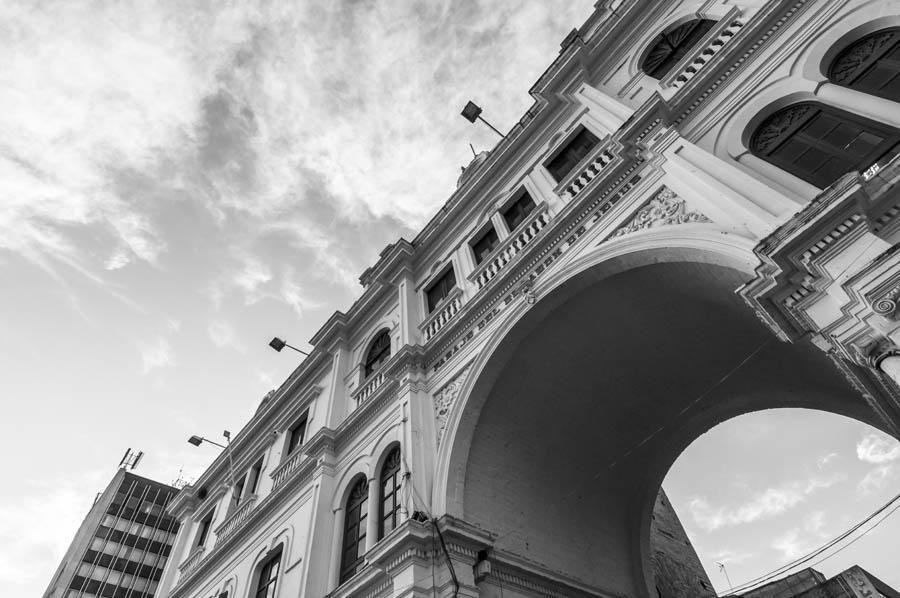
(130, 459)
(723, 570)
(472, 112)
(471, 147)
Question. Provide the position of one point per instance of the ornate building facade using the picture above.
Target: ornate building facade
(697, 218)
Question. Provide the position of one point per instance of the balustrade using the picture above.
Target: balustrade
(284, 471)
(369, 388)
(192, 561)
(587, 175)
(705, 53)
(443, 315)
(230, 525)
(511, 247)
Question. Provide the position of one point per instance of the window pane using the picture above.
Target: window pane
(572, 154)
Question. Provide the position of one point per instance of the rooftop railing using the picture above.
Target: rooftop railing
(445, 312)
(511, 246)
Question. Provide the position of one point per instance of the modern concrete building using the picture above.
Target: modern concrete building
(123, 543)
(697, 218)
(855, 582)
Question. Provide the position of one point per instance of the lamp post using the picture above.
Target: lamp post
(198, 440)
(472, 112)
(279, 344)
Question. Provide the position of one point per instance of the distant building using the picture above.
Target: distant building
(855, 582)
(122, 545)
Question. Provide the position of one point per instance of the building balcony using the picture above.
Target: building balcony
(588, 170)
(286, 469)
(369, 388)
(511, 247)
(715, 40)
(234, 521)
(192, 561)
(445, 312)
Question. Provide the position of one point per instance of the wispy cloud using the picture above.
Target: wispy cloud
(824, 460)
(792, 545)
(729, 556)
(768, 503)
(155, 354)
(877, 448)
(876, 478)
(222, 334)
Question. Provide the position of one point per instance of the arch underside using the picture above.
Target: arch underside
(580, 411)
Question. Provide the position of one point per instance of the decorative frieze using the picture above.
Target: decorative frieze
(445, 398)
(664, 209)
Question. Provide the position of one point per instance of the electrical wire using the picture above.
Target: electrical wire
(762, 579)
(858, 538)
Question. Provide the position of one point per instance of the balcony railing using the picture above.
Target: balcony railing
(586, 175)
(511, 247)
(727, 30)
(369, 388)
(192, 561)
(284, 471)
(233, 523)
(441, 316)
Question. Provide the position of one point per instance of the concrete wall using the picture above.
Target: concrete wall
(676, 567)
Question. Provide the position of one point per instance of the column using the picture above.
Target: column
(792, 186)
(889, 363)
(724, 192)
(373, 513)
(337, 394)
(546, 189)
(410, 315)
(858, 102)
(334, 570)
(607, 111)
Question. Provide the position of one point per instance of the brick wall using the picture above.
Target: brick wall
(676, 567)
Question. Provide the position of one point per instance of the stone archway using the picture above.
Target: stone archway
(572, 420)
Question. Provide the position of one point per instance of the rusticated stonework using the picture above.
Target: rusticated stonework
(444, 399)
(664, 209)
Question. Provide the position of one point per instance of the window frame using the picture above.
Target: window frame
(511, 205)
(876, 58)
(202, 535)
(394, 474)
(548, 163)
(433, 283)
(795, 130)
(357, 501)
(261, 589)
(291, 446)
(699, 22)
(480, 236)
(372, 364)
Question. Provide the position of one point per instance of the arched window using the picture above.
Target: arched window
(671, 45)
(871, 64)
(389, 497)
(378, 353)
(268, 577)
(819, 143)
(355, 518)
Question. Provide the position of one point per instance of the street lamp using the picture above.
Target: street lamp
(472, 112)
(198, 440)
(278, 344)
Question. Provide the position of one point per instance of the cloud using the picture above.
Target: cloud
(37, 526)
(792, 545)
(222, 335)
(823, 461)
(814, 522)
(729, 556)
(876, 478)
(768, 503)
(877, 448)
(156, 354)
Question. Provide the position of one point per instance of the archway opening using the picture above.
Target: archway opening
(576, 415)
(764, 489)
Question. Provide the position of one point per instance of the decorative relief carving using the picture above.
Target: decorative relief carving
(664, 209)
(444, 399)
(887, 304)
(849, 63)
(772, 131)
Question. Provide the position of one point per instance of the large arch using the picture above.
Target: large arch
(576, 409)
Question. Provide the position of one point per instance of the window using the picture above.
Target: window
(295, 435)
(669, 47)
(253, 480)
(379, 352)
(518, 211)
(440, 288)
(268, 577)
(819, 143)
(355, 518)
(484, 244)
(871, 65)
(389, 499)
(237, 494)
(203, 530)
(569, 157)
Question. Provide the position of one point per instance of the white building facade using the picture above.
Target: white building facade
(697, 218)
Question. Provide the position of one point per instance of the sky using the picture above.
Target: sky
(181, 181)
